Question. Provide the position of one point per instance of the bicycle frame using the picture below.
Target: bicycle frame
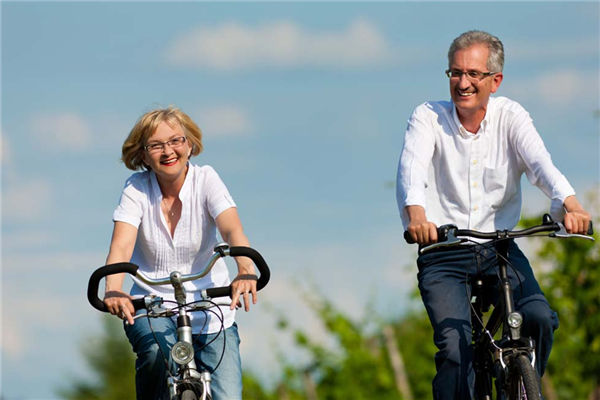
(505, 359)
(491, 356)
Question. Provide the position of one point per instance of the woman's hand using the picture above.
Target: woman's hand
(119, 304)
(242, 287)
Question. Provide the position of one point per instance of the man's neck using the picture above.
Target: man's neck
(471, 121)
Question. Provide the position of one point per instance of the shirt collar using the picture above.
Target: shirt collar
(482, 128)
(184, 189)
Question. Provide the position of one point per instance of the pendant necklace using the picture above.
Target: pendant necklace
(170, 212)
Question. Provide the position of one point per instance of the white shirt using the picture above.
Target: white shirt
(474, 180)
(204, 197)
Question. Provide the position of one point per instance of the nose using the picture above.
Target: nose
(463, 81)
(166, 148)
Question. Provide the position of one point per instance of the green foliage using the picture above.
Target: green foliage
(572, 286)
(361, 368)
(415, 340)
(253, 389)
(110, 358)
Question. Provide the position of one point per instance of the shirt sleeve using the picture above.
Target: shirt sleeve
(216, 194)
(415, 159)
(539, 167)
(130, 208)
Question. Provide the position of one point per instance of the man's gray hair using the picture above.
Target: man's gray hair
(495, 61)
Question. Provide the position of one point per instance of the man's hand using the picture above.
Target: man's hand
(576, 220)
(422, 231)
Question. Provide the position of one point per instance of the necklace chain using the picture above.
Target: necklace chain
(169, 210)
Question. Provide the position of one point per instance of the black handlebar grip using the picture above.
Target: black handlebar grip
(259, 261)
(94, 283)
(408, 238)
(590, 229)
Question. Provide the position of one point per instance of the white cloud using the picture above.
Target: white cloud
(285, 44)
(224, 121)
(563, 87)
(63, 131)
(555, 88)
(26, 201)
(539, 51)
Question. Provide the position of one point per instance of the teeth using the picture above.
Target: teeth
(169, 161)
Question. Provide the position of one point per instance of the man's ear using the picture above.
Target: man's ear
(496, 81)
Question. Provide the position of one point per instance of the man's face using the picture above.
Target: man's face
(469, 95)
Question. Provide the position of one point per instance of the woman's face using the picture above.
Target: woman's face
(167, 152)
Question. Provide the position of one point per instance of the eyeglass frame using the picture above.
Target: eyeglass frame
(471, 78)
(163, 144)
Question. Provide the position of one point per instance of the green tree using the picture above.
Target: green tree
(361, 367)
(111, 359)
(572, 286)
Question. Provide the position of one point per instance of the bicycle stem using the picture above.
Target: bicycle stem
(184, 326)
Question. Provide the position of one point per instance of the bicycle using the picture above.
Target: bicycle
(190, 383)
(508, 361)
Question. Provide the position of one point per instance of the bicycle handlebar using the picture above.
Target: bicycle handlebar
(132, 269)
(448, 235)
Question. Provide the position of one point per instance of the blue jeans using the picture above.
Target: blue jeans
(444, 285)
(151, 370)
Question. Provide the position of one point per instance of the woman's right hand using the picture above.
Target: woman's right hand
(119, 303)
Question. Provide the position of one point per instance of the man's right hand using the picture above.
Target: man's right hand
(119, 304)
(422, 231)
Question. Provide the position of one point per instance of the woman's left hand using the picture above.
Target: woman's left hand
(242, 287)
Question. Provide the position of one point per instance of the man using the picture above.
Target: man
(461, 164)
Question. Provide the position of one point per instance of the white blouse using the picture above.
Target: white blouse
(157, 253)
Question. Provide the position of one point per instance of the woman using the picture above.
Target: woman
(167, 220)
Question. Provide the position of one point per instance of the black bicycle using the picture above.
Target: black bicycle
(508, 361)
(190, 382)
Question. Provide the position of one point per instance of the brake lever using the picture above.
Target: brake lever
(451, 240)
(563, 234)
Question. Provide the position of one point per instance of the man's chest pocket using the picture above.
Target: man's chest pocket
(499, 186)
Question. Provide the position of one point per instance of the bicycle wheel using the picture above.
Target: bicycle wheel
(188, 395)
(523, 382)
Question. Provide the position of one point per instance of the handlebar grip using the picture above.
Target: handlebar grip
(590, 230)
(259, 261)
(94, 283)
(442, 233)
(408, 238)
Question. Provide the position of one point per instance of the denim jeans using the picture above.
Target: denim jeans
(444, 285)
(151, 370)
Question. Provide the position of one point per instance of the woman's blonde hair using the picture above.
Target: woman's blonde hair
(132, 153)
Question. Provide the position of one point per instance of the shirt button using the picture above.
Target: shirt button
(474, 184)
(474, 162)
(475, 208)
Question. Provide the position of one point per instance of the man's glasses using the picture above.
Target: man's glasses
(473, 76)
(156, 147)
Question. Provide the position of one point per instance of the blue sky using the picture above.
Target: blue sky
(303, 108)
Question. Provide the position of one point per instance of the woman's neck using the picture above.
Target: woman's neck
(170, 188)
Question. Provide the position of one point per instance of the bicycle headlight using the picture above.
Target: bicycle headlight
(515, 319)
(182, 353)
